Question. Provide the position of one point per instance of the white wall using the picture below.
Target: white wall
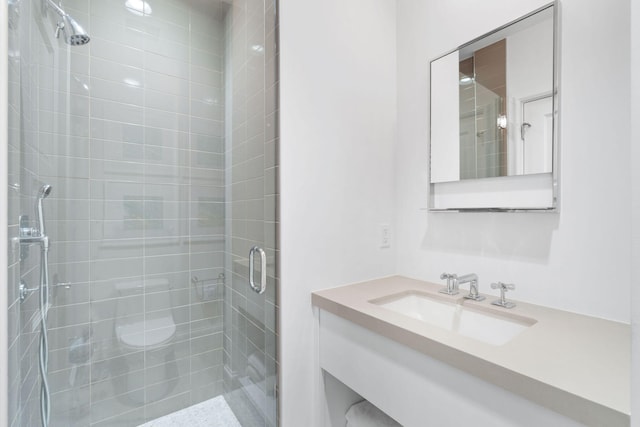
(579, 259)
(338, 106)
(338, 102)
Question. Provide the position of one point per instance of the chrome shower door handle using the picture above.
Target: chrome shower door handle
(262, 286)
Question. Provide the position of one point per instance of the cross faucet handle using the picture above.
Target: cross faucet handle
(504, 287)
(452, 284)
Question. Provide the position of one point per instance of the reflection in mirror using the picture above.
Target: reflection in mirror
(492, 104)
(483, 92)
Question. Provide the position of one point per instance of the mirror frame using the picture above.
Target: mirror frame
(506, 193)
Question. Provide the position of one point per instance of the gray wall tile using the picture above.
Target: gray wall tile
(133, 135)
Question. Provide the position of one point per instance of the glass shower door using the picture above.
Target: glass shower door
(252, 220)
(159, 141)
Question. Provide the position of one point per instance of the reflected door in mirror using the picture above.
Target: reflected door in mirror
(537, 135)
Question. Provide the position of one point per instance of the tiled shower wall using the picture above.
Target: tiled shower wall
(129, 131)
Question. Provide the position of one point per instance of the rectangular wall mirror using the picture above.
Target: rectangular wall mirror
(493, 105)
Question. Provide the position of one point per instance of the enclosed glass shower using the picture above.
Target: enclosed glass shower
(142, 148)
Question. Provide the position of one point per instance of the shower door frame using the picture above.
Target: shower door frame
(4, 345)
(4, 394)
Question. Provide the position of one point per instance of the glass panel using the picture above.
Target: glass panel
(477, 128)
(482, 92)
(33, 84)
(159, 140)
(250, 338)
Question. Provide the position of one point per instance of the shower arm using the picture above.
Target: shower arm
(55, 7)
(74, 34)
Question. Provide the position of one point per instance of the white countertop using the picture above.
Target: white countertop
(573, 364)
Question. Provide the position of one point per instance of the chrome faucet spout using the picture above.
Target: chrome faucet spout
(472, 279)
(466, 278)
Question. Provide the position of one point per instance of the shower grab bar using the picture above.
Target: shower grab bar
(263, 270)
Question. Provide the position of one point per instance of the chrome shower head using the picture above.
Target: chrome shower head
(44, 191)
(73, 33)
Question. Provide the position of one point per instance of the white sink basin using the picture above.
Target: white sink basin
(481, 323)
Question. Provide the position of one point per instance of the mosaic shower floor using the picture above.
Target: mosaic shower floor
(210, 413)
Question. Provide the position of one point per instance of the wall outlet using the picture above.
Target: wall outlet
(385, 236)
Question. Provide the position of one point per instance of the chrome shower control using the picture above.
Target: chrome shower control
(25, 229)
(24, 291)
(504, 287)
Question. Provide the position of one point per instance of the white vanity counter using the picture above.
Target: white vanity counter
(575, 365)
